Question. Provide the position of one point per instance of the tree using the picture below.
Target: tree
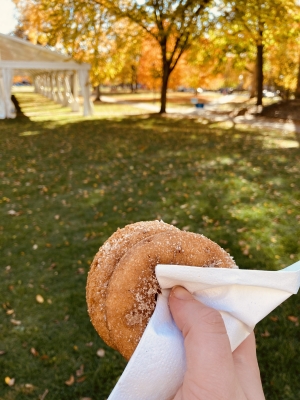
(220, 58)
(173, 25)
(85, 31)
(259, 21)
(128, 48)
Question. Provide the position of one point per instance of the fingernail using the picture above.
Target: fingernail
(181, 293)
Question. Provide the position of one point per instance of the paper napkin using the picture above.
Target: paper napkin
(243, 297)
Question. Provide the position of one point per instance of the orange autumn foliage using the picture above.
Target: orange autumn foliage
(186, 74)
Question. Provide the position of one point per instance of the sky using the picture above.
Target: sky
(7, 20)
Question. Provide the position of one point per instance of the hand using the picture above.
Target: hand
(213, 371)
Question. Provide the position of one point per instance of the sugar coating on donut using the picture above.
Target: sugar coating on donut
(132, 289)
(104, 264)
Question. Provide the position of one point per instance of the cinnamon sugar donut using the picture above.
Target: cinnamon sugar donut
(132, 289)
(104, 264)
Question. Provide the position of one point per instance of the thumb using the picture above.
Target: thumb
(210, 366)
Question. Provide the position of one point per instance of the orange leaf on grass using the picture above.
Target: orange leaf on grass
(34, 352)
(293, 319)
(70, 381)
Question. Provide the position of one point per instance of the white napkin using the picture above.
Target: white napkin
(243, 297)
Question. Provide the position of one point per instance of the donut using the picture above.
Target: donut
(104, 264)
(133, 287)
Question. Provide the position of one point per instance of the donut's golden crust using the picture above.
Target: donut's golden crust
(130, 297)
(104, 264)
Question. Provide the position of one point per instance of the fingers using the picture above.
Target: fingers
(247, 370)
(210, 366)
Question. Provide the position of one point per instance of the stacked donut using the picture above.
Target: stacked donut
(122, 287)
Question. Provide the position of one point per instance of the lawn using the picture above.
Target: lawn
(68, 183)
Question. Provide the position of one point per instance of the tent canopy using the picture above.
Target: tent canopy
(54, 74)
(16, 49)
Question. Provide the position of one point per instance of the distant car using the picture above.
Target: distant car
(22, 83)
(226, 90)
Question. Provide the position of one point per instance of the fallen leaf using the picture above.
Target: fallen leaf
(274, 319)
(266, 334)
(2, 352)
(100, 353)
(85, 398)
(80, 371)
(34, 352)
(9, 312)
(35, 246)
(42, 397)
(89, 344)
(80, 271)
(29, 386)
(39, 298)
(81, 379)
(70, 381)
(9, 381)
(293, 319)
(15, 322)
(11, 212)
(44, 357)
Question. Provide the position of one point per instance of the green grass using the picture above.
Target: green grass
(68, 183)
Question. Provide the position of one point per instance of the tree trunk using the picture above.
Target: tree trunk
(259, 73)
(133, 79)
(297, 94)
(98, 93)
(253, 86)
(164, 88)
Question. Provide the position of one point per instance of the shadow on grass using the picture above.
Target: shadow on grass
(67, 186)
(19, 112)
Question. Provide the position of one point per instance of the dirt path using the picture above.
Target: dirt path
(209, 112)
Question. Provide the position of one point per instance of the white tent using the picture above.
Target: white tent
(54, 75)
